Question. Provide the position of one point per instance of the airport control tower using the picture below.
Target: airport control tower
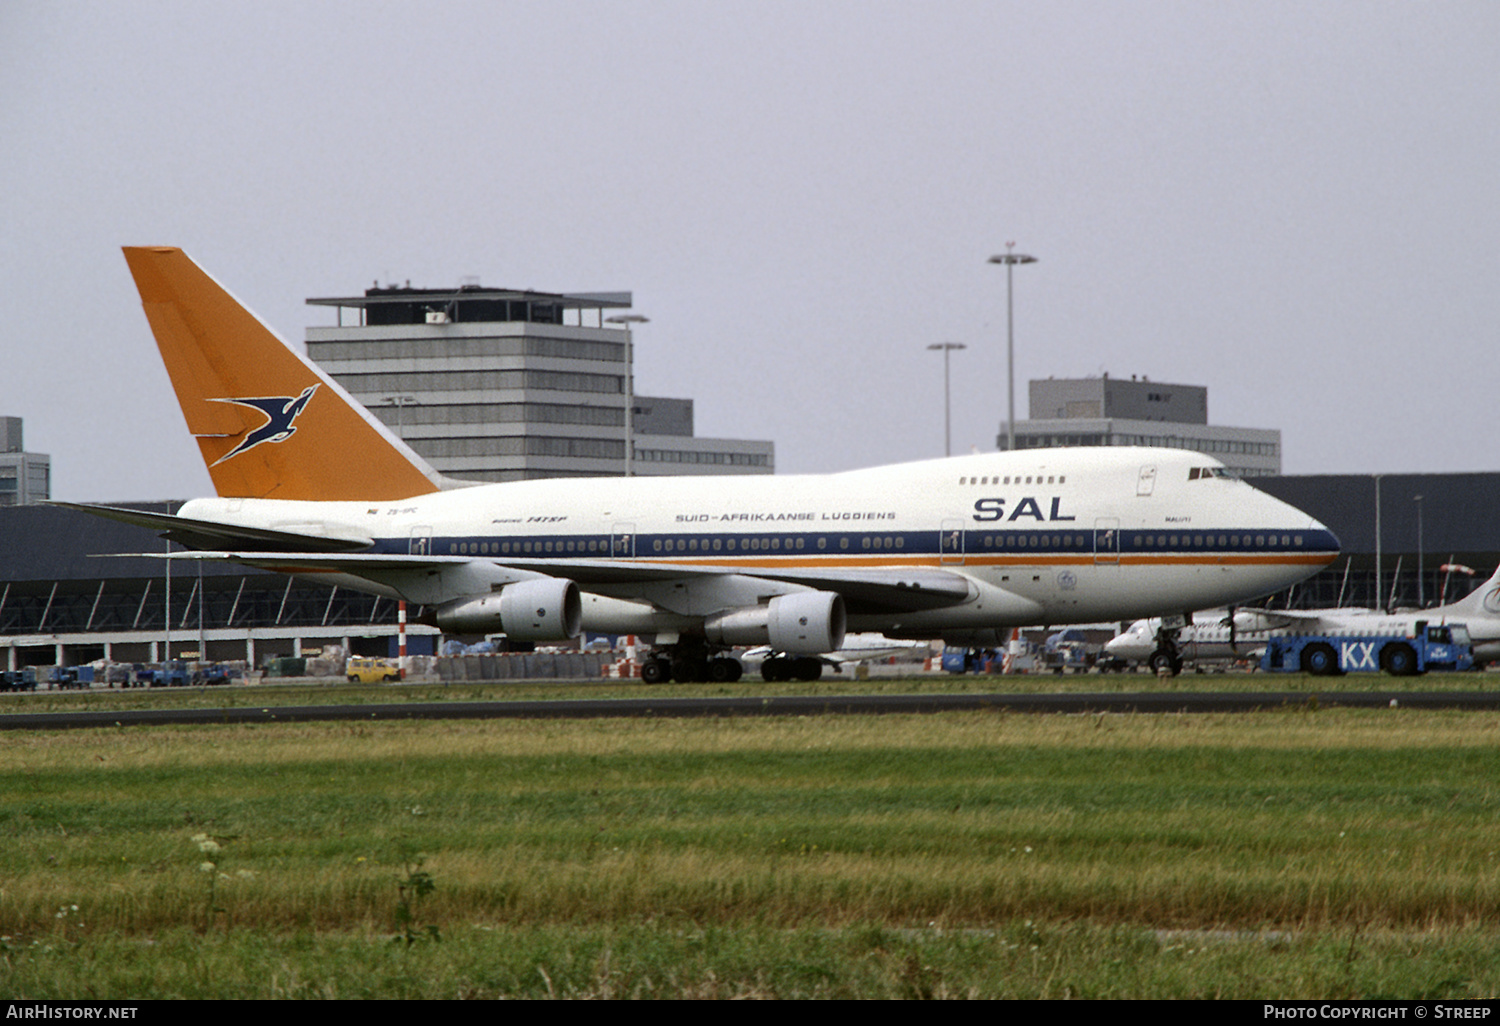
(493, 384)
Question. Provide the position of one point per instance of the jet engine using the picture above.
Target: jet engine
(545, 609)
(804, 623)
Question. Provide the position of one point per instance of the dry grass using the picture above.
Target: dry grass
(1384, 818)
(1099, 829)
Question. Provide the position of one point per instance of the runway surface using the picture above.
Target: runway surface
(1143, 702)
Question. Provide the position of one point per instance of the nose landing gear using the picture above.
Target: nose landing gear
(1165, 658)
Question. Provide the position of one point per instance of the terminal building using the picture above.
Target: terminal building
(25, 477)
(494, 384)
(1407, 539)
(67, 597)
(1114, 411)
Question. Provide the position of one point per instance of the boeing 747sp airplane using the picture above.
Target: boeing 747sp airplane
(310, 483)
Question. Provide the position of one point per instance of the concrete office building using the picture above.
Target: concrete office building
(505, 385)
(1114, 411)
(25, 477)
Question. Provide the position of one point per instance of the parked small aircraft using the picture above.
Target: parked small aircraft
(1215, 635)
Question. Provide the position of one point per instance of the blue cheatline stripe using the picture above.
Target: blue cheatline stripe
(974, 544)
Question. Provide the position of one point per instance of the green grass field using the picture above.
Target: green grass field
(1288, 854)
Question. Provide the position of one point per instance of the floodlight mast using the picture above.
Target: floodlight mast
(1010, 258)
(1421, 592)
(628, 320)
(947, 347)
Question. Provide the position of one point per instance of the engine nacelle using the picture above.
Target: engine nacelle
(1255, 620)
(545, 609)
(804, 623)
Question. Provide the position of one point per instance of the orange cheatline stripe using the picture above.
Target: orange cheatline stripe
(1298, 559)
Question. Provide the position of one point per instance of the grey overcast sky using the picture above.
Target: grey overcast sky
(1294, 204)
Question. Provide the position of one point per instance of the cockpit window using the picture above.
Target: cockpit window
(1196, 473)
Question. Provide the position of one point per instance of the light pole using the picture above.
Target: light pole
(1379, 576)
(627, 320)
(1010, 259)
(1421, 594)
(947, 347)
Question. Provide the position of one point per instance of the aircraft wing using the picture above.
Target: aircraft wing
(864, 591)
(1250, 619)
(209, 534)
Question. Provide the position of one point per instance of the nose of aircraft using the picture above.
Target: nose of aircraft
(1306, 545)
(1131, 643)
(1312, 536)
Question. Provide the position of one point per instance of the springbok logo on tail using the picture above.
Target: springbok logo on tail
(279, 410)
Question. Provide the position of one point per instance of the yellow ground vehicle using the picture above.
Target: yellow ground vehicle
(367, 670)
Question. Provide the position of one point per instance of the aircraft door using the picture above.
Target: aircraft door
(1146, 483)
(622, 542)
(951, 542)
(1107, 540)
(419, 543)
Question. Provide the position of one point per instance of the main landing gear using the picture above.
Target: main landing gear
(690, 664)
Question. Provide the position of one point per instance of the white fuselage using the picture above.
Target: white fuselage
(1042, 537)
(856, 648)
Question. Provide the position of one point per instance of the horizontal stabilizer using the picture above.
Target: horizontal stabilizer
(316, 563)
(213, 535)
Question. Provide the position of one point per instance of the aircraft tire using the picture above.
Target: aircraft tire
(655, 671)
(1163, 661)
(775, 669)
(807, 668)
(689, 671)
(1399, 660)
(724, 670)
(1320, 660)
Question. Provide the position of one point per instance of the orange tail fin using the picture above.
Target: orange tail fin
(270, 424)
